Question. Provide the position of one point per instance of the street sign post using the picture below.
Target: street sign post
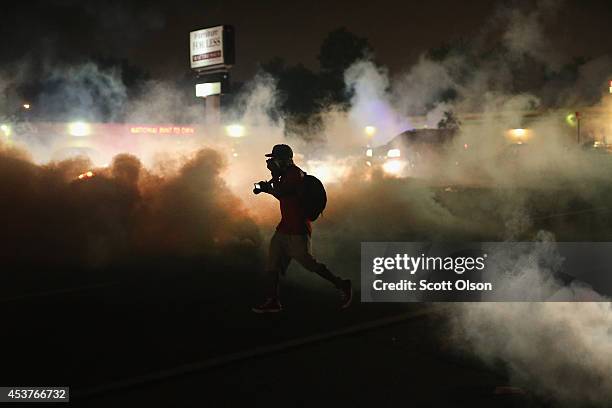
(212, 55)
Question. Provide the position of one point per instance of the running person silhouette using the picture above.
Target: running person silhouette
(292, 239)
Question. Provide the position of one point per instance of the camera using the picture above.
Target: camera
(261, 187)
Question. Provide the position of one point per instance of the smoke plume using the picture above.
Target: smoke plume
(195, 199)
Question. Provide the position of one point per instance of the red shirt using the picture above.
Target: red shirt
(293, 218)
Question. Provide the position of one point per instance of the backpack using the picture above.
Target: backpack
(314, 196)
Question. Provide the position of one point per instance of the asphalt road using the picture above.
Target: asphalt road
(401, 364)
(162, 343)
(128, 324)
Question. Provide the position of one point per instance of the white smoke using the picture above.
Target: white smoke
(558, 350)
(371, 104)
(524, 34)
(84, 92)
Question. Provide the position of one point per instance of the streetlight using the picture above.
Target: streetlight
(6, 129)
(369, 131)
(79, 129)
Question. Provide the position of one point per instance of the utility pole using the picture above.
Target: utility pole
(213, 110)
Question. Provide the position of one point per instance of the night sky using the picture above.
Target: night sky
(154, 35)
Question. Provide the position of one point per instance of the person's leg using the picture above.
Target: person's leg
(278, 260)
(300, 250)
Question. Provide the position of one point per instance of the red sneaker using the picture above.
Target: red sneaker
(271, 305)
(346, 291)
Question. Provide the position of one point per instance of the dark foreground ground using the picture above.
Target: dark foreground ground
(180, 333)
(161, 342)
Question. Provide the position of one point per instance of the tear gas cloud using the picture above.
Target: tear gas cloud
(125, 210)
(195, 199)
(558, 349)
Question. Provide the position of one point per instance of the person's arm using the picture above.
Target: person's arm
(289, 184)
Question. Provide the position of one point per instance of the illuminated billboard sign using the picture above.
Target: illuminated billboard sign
(207, 89)
(211, 48)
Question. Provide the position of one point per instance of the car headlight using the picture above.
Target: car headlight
(393, 153)
(394, 167)
(369, 153)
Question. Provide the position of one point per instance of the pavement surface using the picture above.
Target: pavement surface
(180, 333)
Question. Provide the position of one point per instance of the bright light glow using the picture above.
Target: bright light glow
(26, 106)
(394, 167)
(235, 130)
(324, 172)
(6, 129)
(327, 171)
(571, 119)
(235, 154)
(207, 89)
(369, 153)
(368, 163)
(79, 129)
(518, 133)
(86, 175)
(370, 130)
(393, 153)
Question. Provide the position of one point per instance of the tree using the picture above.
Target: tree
(303, 93)
(449, 121)
(298, 87)
(338, 52)
(341, 49)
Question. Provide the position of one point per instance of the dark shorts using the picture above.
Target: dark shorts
(285, 247)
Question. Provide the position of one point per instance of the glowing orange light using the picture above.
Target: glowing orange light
(86, 175)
